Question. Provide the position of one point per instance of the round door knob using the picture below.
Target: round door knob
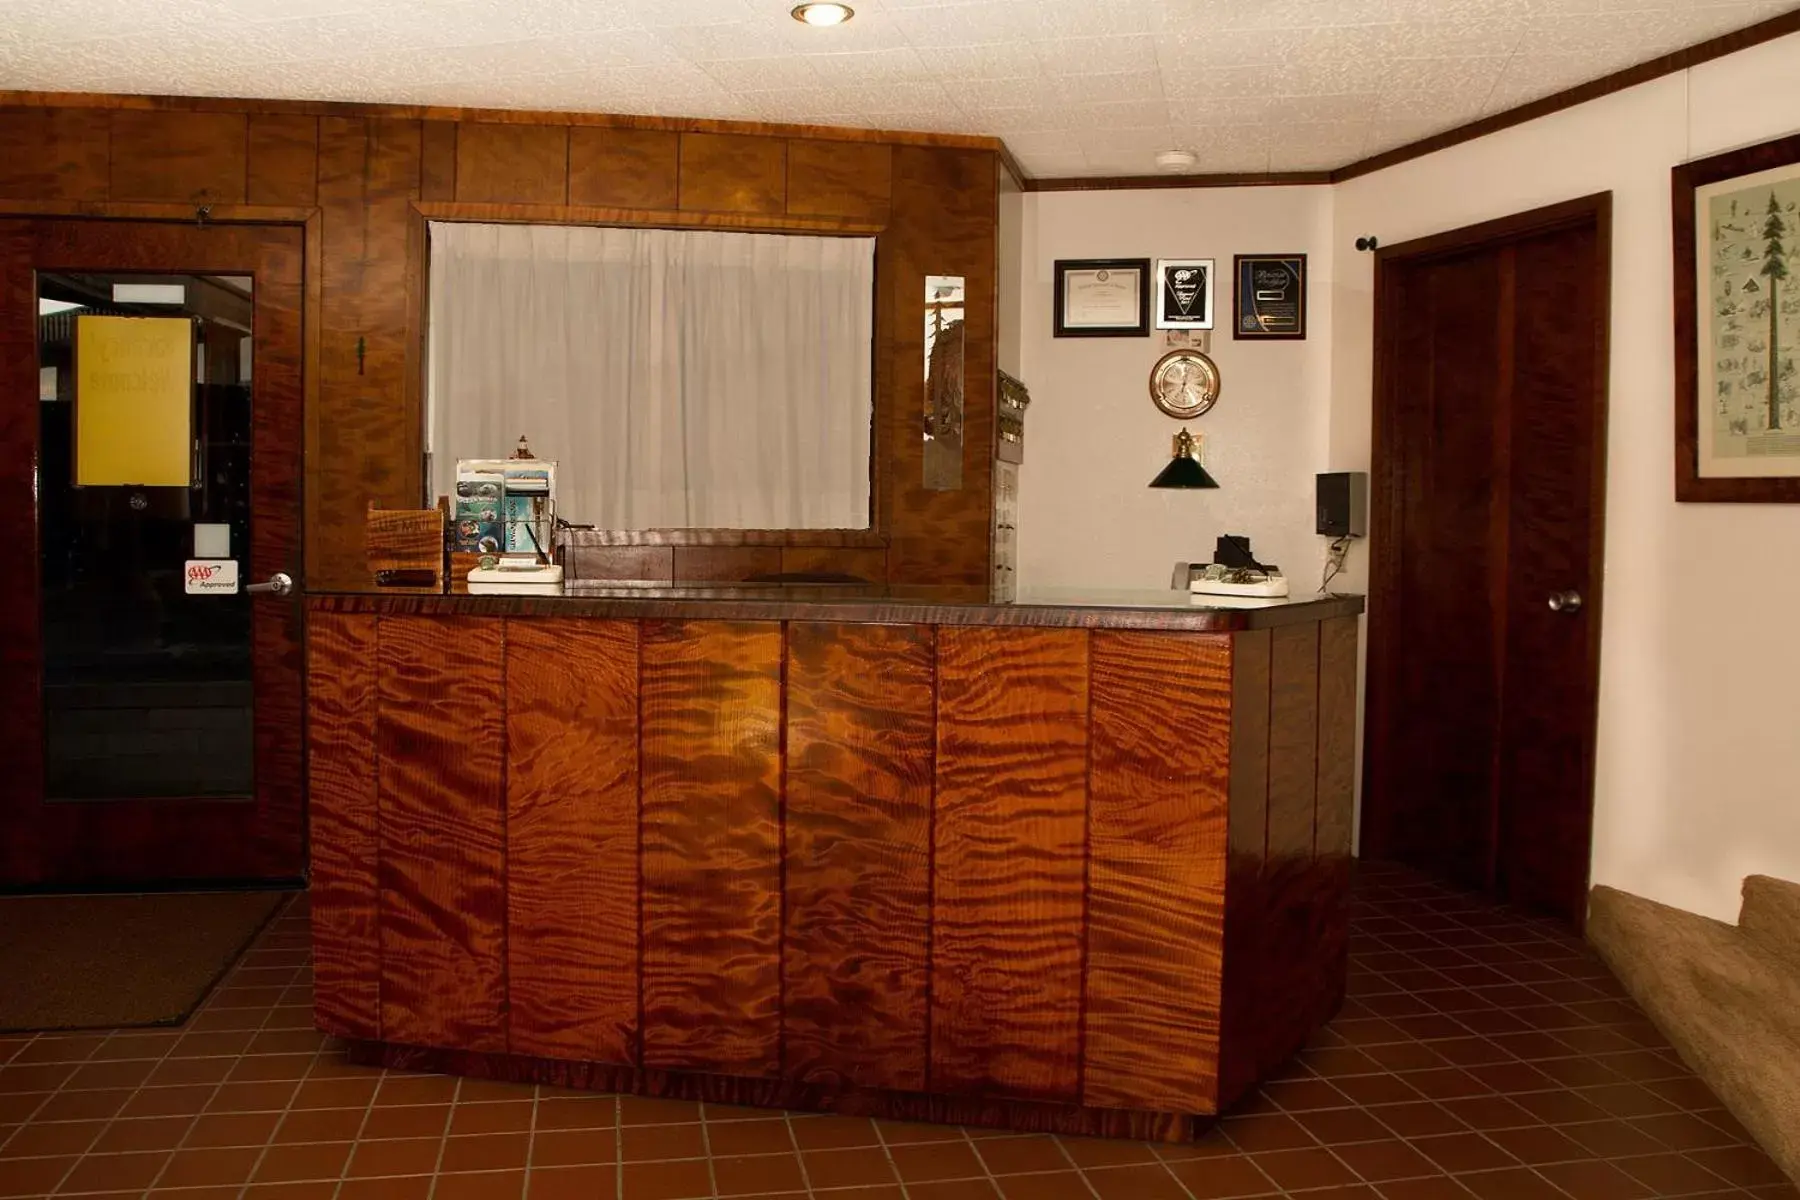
(1565, 602)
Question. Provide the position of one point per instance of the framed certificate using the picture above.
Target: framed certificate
(1184, 293)
(1102, 297)
(1271, 297)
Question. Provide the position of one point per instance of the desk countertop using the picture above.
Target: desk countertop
(1110, 608)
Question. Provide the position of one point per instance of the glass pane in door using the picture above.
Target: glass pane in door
(144, 511)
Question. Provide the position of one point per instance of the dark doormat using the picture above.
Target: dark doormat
(111, 961)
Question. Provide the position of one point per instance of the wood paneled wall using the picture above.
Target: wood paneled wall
(1046, 871)
(373, 175)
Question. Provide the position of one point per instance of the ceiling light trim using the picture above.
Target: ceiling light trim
(822, 14)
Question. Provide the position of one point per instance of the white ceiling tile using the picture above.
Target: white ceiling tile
(1303, 110)
(1081, 86)
(1430, 80)
(1302, 158)
(864, 67)
(1098, 55)
(1233, 48)
(967, 24)
(761, 74)
(1042, 143)
(1105, 18)
(1035, 93)
(1009, 123)
(1388, 135)
(1235, 110)
(1062, 163)
(1108, 89)
(742, 39)
(1139, 114)
(1217, 83)
(992, 60)
(1474, 38)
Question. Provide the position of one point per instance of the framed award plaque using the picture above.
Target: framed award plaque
(1102, 297)
(1184, 293)
(1271, 297)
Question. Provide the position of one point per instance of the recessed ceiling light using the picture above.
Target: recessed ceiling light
(1176, 160)
(823, 14)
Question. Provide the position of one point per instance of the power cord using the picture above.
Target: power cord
(1335, 555)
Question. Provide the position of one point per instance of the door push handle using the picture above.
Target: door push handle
(280, 584)
(1568, 602)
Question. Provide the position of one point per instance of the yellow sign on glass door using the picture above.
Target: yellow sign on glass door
(134, 401)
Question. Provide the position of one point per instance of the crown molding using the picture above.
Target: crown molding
(1655, 68)
(1115, 183)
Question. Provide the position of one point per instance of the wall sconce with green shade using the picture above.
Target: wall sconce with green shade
(1184, 469)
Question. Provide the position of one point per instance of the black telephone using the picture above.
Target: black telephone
(1234, 571)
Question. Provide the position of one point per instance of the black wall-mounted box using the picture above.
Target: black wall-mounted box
(1343, 504)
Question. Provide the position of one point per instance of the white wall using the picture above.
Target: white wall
(1093, 439)
(1699, 744)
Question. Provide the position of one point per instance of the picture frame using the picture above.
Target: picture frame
(1268, 297)
(1737, 325)
(1185, 288)
(1101, 297)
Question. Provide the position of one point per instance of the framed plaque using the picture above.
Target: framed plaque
(1102, 297)
(1184, 293)
(1271, 296)
(1737, 323)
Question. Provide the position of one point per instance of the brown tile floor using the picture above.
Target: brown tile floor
(1481, 1053)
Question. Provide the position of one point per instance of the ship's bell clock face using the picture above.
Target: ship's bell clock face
(1184, 384)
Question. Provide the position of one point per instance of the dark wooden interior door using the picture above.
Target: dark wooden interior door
(151, 736)
(1484, 608)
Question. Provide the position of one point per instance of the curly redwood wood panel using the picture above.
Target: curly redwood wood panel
(1246, 849)
(572, 838)
(341, 787)
(1293, 887)
(1335, 811)
(1158, 796)
(1009, 840)
(363, 428)
(949, 605)
(710, 704)
(440, 735)
(858, 822)
(1024, 1115)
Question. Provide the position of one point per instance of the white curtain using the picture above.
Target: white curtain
(678, 378)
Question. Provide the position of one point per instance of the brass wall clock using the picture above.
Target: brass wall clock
(1184, 384)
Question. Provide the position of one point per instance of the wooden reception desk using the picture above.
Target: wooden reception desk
(1077, 863)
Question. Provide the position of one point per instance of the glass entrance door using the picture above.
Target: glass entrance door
(156, 711)
(147, 669)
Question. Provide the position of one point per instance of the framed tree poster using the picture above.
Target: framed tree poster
(1737, 325)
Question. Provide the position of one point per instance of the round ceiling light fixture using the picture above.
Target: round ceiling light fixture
(823, 14)
(1176, 160)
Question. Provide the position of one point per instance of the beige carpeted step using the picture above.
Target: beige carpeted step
(1771, 916)
(1728, 1004)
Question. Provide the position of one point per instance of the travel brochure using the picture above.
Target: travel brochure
(504, 506)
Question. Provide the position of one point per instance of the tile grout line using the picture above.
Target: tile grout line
(888, 1153)
(787, 1120)
(444, 1141)
(185, 1029)
(356, 1143)
(1076, 1167)
(712, 1172)
(139, 1088)
(263, 1154)
(537, 1095)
